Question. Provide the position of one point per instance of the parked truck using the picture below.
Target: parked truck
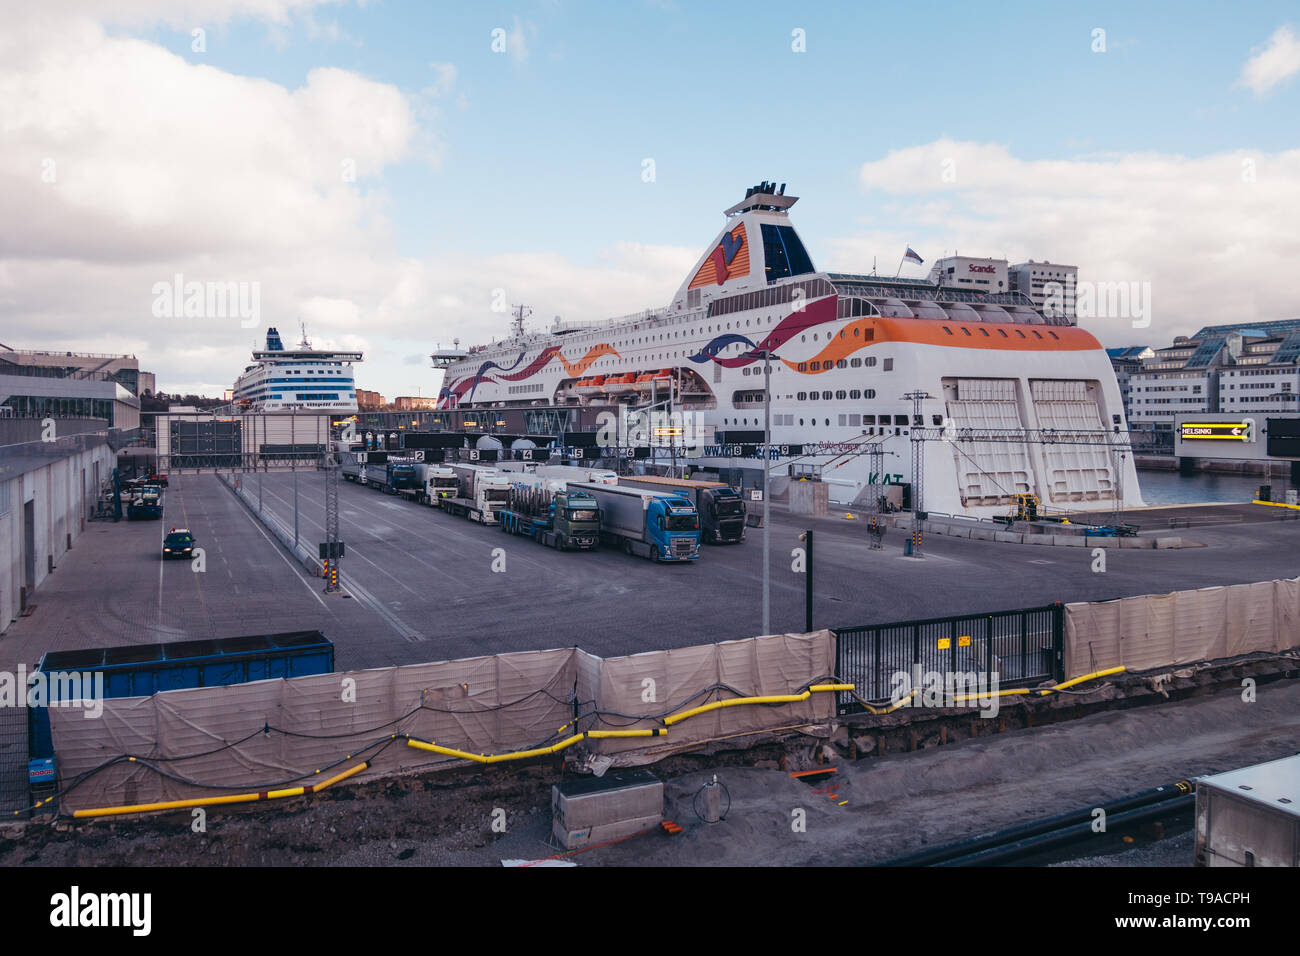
(600, 476)
(145, 502)
(353, 465)
(660, 525)
(433, 483)
(391, 476)
(141, 670)
(547, 511)
(721, 508)
(481, 494)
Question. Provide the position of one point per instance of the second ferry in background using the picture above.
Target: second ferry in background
(282, 380)
(980, 341)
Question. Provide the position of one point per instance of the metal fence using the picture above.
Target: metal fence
(1022, 648)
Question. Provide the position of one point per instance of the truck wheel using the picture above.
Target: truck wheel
(627, 548)
(560, 543)
(654, 555)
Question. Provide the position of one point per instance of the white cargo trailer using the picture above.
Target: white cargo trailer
(1251, 816)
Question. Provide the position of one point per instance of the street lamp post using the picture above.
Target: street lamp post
(293, 443)
(807, 539)
(766, 356)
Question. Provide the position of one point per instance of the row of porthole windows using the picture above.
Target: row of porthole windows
(840, 395)
(857, 333)
(1002, 332)
(869, 362)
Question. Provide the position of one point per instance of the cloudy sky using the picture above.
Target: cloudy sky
(379, 170)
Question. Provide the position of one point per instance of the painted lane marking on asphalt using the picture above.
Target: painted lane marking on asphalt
(360, 593)
(389, 542)
(369, 600)
(464, 534)
(280, 551)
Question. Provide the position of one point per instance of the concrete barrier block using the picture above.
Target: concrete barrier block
(983, 534)
(1095, 542)
(1068, 540)
(1169, 542)
(1137, 542)
(1010, 537)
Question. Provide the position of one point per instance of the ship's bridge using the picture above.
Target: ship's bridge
(445, 358)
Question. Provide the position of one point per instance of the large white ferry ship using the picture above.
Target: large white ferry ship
(281, 380)
(1019, 400)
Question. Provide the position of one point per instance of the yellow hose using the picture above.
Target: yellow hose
(739, 701)
(233, 798)
(536, 751)
(881, 711)
(999, 693)
(1079, 680)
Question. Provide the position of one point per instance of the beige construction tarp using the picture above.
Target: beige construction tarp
(657, 683)
(1162, 630)
(269, 734)
(216, 734)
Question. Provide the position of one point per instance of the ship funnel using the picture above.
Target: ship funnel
(273, 343)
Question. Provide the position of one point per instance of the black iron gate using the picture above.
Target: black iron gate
(1022, 648)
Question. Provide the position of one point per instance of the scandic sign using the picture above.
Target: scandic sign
(1216, 431)
(974, 268)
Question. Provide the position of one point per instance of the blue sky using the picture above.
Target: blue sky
(715, 95)
(523, 170)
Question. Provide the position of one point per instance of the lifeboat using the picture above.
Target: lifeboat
(590, 386)
(649, 381)
(620, 384)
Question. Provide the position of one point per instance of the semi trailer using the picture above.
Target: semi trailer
(482, 492)
(433, 483)
(721, 508)
(559, 518)
(600, 476)
(391, 476)
(659, 525)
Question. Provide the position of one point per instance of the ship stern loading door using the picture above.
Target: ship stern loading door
(988, 472)
(1072, 472)
(1061, 474)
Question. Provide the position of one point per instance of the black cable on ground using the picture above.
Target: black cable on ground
(696, 799)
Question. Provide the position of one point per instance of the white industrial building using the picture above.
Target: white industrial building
(971, 273)
(1047, 283)
(50, 476)
(1241, 368)
(236, 439)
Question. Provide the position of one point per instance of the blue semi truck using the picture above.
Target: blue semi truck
(143, 670)
(654, 524)
(391, 476)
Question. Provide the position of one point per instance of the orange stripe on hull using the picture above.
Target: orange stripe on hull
(862, 333)
(584, 363)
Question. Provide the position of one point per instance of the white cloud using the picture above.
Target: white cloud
(1277, 61)
(179, 14)
(516, 44)
(1212, 243)
(126, 165)
(163, 167)
(444, 78)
